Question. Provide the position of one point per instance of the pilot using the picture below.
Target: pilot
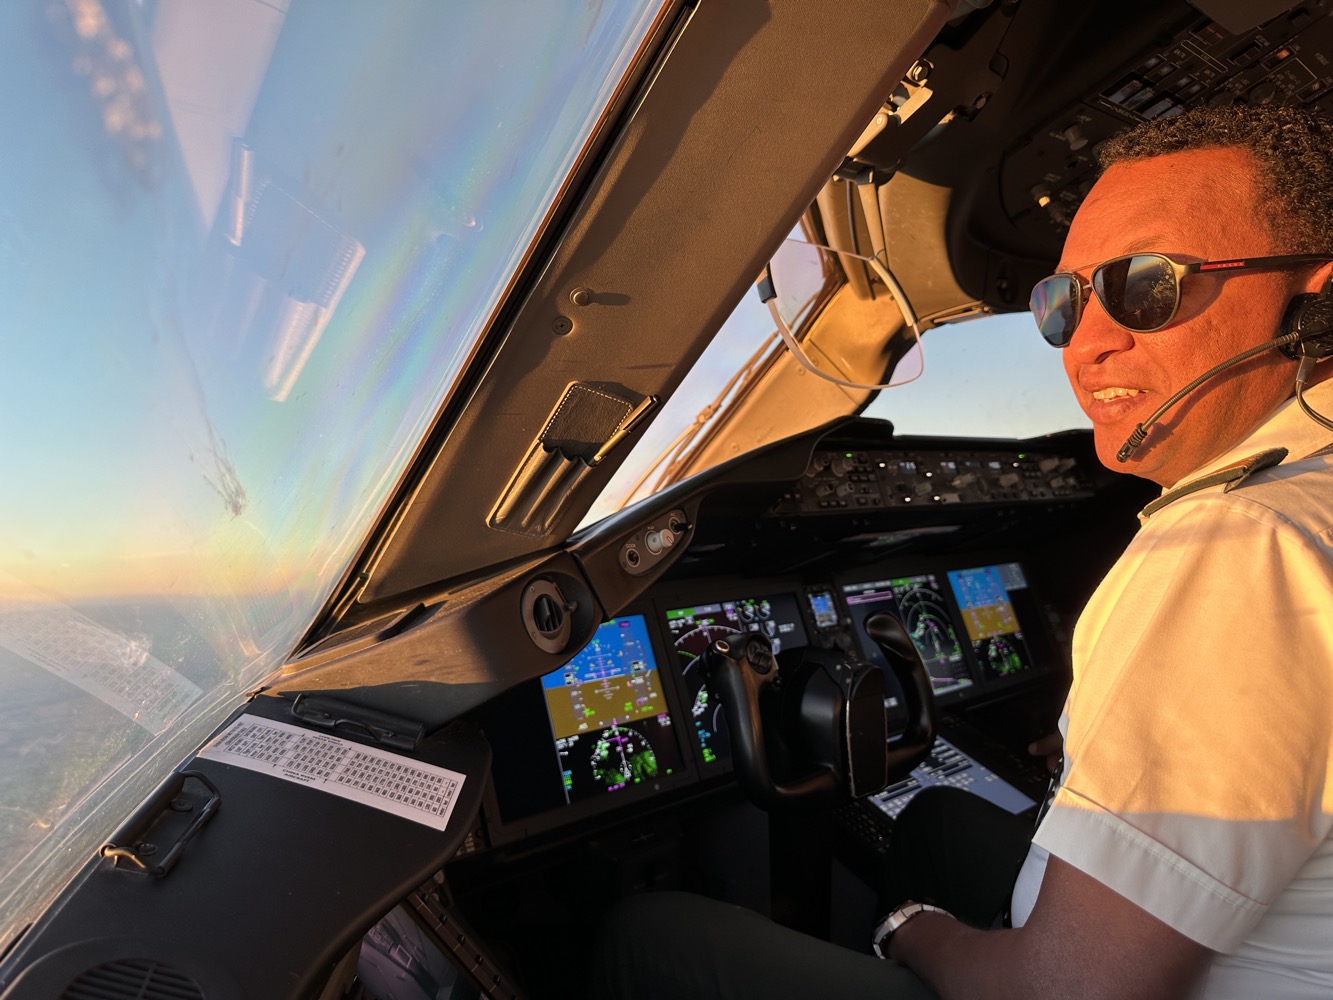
(1187, 849)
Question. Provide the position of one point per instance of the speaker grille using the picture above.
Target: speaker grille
(133, 979)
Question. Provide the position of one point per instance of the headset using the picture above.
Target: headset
(1310, 318)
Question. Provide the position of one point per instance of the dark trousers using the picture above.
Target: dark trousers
(949, 847)
(957, 851)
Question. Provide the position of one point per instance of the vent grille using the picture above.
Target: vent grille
(133, 979)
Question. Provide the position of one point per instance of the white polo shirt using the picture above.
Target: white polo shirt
(1198, 778)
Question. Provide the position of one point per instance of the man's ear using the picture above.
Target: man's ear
(1320, 281)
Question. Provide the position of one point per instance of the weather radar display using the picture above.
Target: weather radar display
(608, 713)
(985, 600)
(694, 629)
(920, 605)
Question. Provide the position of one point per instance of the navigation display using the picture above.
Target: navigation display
(693, 629)
(609, 714)
(986, 597)
(919, 602)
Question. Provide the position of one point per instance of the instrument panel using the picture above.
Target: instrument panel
(631, 716)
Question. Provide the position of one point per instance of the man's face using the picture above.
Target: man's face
(1194, 206)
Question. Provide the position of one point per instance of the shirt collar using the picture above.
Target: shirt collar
(1286, 427)
(1285, 435)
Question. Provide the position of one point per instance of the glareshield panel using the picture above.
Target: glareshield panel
(245, 250)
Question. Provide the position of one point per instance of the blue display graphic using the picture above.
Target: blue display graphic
(824, 610)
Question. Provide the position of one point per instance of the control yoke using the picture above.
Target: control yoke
(822, 723)
(741, 669)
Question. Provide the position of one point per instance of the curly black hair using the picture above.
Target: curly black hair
(1292, 146)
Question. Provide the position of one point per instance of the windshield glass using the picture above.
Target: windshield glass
(246, 248)
(988, 377)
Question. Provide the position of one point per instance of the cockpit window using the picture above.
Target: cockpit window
(987, 377)
(737, 355)
(245, 251)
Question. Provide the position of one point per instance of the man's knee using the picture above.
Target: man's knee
(646, 944)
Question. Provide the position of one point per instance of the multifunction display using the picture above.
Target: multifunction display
(918, 601)
(609, 714)
(985, 598)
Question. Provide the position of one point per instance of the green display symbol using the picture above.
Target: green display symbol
(623, 757)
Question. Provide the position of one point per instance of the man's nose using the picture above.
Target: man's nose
(1096, 336)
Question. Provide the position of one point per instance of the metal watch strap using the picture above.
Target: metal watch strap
(885, 929)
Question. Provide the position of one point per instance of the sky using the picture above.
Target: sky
(991, 377)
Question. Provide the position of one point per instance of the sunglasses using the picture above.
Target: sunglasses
(1139, 291)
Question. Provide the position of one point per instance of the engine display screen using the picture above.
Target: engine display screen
(609, 716)
(986, 598)
(693, 629)
(920, 603)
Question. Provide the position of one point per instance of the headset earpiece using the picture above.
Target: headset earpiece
(1311, 317)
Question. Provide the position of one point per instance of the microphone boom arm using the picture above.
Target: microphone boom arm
(1140, 432)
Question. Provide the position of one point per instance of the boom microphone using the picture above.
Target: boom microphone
(1310, 322)
(1140, 432)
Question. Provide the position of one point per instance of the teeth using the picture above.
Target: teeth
(1115, 392)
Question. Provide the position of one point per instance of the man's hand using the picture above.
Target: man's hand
(1052, 747)
(1083, 940)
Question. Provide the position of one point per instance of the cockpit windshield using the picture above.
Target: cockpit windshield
(246, 249)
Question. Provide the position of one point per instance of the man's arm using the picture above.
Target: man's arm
(1082, 940)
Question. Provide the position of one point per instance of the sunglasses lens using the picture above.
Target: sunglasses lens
(1138, 292)
(1055, 307)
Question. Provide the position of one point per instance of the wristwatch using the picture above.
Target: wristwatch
(879, 941)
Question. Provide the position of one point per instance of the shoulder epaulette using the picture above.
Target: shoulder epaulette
(1230, 477)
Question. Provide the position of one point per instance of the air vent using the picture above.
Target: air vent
(548, 616)
(545, 612)
(133, 979)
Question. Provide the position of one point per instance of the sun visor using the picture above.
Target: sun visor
(590, 419)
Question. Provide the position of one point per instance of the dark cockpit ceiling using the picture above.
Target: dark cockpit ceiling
(1035, 87)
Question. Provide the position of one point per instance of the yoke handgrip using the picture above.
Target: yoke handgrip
(909, 747)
